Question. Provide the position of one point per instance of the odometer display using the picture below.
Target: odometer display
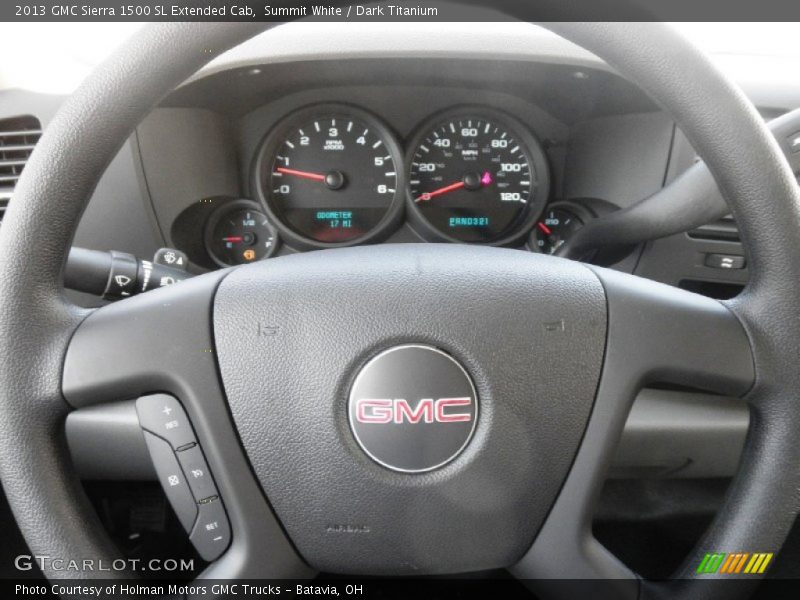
(331, 176)
(475, 179)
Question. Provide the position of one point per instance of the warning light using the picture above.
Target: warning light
(249, 254)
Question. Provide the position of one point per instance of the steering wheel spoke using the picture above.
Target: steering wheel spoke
(154, 342)
(656, 335)
(162, 343)
(664, 335)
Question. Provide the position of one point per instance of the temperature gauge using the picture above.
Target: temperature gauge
(239, 232)
(557, 225)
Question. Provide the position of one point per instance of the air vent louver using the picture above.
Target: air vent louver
(18, 136)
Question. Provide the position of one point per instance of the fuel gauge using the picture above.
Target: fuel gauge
(239, 232)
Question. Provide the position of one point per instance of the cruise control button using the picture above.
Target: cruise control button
(172, 480)
(164, 416)
(197, 472)
(212, 532)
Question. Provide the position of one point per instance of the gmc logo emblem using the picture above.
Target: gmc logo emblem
(398, 411)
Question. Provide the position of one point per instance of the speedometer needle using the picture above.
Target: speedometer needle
(471, 181)
(303, 174)
(442, 190)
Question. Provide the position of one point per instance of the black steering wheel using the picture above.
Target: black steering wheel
(263, 358)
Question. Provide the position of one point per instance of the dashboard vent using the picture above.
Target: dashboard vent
(18, 136)
(724, 229)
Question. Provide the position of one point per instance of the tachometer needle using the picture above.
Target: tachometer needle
(545, 229)
(442, 190)
(304, 174)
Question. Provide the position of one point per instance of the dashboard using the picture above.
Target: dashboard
(254, 162)
(202, 172)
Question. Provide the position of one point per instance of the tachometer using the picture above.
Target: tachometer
(330, 176)
(473, 177)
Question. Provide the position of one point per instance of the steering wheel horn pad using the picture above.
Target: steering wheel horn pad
(531, 332)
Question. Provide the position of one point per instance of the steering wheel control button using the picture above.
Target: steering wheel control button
(164, 416)
(172, 480)
(413, 408)
(184, 474)
(212, 532)
(725, 261)
(197, 473)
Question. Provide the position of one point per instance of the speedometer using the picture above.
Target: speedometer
(474, 177)
(331, 175)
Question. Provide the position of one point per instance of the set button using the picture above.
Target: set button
(212, 532)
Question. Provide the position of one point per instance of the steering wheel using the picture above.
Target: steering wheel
(265, 359)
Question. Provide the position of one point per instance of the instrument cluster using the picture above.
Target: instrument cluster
(332, 175)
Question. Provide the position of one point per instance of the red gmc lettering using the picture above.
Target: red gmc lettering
(381, 411)
(397, 411)
(452, 417)
(424, 409)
